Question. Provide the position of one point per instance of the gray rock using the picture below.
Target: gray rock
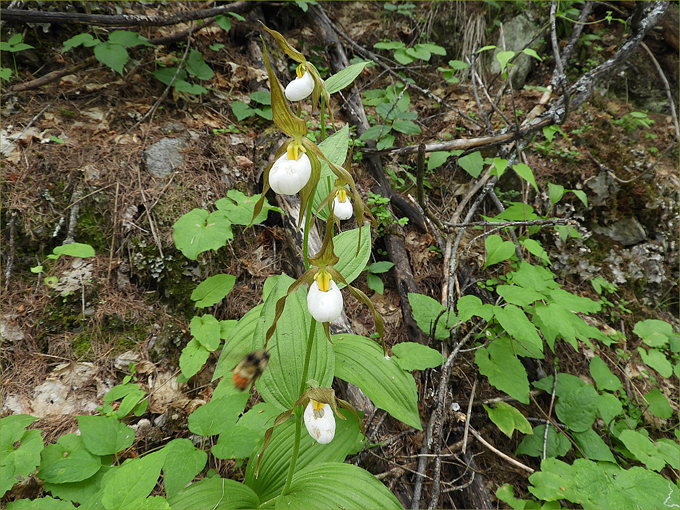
(602, 187)
(517, 33)
(626, 231)
(163, 157)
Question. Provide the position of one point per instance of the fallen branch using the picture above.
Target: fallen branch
(139, 20)
(512, 461)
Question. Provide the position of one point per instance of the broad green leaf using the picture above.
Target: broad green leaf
(193, 357)
(352, 264)
(280, 383)
(241, 110)
(596, 485)
(437, 159)
(499, 166)
(472, 163)
(534, 277)
(13, 427)
(389, 45)
(216, 493)
(657, 360)
(197, 67)
(536, 249)
(413, 356)
(654, 332)
(432, 48)
(166, 75)
(104, 435)
(375, 283)
(344, 78)
(565, 384)
(276, 458)
(532, 53)
(5, 73)
(206, 329)
(198, 231)
(645, 450)
(504, 371)
(608, 407)
(577, 409)
(114, 56)
(426, 311)
(518, 295)
(555, 192)
(85, 39)
(513, 320)
(518, 211)
(380, 267)
(178, 474)
(361, 361)
(658, 404)
(581, 195)
(603, 377)
(593, 446)
(352, 487)
(46, 503)
(407, 127)
(497, 250)
(212, 290)
(403, 57)
(508, 418)
(79, 492)
(75, 250)
(239, 208)
(532, 445)
(239, 343)
(235, 443)
(670, 451)
(503, 57)
(217, 415)
(138, 476)
(335, 149)
(525, 173)
(128, 39)
(18, 463)
(506, 493)
(470, 305)
(574, 303)
(223, 22)
(68, 461)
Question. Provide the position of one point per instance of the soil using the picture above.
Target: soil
(79, 172)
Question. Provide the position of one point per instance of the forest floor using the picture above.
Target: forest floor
(81, 148)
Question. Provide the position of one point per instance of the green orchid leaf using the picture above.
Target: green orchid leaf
(353, 487)
(345, 77)
(360, 361)
(215, 493)
(280, 383)
(350, 264)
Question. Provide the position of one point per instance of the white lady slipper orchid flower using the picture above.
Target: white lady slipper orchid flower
(342, 205)
(290, 172)
(300, 87)
(320, 421)
(324, 299)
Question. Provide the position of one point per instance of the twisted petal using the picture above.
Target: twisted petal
(288, 176)
(300, 88)
(324, 306)
(320, 421)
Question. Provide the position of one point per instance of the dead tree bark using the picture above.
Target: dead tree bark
(394, 240)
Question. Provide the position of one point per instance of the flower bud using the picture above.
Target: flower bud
(288, 176)
(324, 305)
(301, 87)
(320, 421)
(342, 206)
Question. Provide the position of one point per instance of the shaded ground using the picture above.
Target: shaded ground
(131, 301)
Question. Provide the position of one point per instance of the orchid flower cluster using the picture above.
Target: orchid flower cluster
(297, 169)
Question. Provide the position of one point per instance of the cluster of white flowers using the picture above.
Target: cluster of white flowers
(301, 87)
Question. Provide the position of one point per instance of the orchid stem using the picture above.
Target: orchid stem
(308, 221)
(323, 118)
(300, 409)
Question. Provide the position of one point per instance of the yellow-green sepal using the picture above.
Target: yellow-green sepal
(283, 117)
(307, 193)
(326, 256)
(290, 51)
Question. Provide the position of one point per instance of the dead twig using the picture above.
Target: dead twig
(502, 455)
(547, 424)
(469, 413)
(667, 88)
